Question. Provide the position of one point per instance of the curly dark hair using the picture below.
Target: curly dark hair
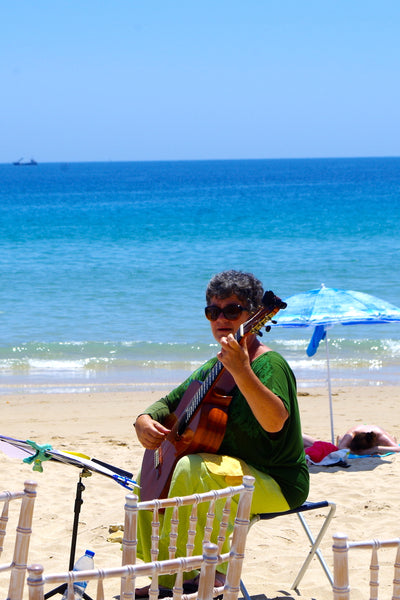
(245, 286)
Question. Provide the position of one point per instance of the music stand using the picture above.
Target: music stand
(31, 452)
(77, 509)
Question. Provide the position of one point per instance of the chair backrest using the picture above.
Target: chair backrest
(207, 562)
(341, 583)
(127, 575)
(18, 564)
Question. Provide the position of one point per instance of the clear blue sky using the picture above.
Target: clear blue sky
(116, 80)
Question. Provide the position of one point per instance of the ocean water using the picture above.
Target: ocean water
(103, 266)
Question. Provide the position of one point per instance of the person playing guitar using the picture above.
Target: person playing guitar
(254, 396)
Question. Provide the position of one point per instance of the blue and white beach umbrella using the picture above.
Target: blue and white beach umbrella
(325, 307)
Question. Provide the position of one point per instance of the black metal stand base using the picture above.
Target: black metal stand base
(61, 589)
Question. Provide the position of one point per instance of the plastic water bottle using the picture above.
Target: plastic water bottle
(84, 563)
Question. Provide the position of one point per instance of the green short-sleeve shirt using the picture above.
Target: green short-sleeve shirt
(280, 455)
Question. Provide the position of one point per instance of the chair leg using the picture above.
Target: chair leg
(315, 542)
(244, 591)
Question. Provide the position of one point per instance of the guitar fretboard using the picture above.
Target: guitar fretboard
(198, 397)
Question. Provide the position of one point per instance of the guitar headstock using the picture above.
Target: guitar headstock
(271, 305)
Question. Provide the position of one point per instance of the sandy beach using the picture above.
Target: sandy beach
(100, 425)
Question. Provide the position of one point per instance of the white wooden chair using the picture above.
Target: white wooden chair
(341, 547)
(207, 563)
(18, 564)
(128, 573)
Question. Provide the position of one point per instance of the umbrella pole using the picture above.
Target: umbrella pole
(329, 389)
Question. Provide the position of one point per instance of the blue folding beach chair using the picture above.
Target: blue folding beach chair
(314, 540)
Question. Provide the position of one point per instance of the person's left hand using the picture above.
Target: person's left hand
(233, 356)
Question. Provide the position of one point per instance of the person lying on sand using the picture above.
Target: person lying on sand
(362, 439)
(368, 439)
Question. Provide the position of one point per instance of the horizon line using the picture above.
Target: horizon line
(159, 160)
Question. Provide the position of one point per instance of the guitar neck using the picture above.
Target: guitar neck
(199, 396)
(203, 390)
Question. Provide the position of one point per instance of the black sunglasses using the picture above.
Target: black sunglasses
(230, 312)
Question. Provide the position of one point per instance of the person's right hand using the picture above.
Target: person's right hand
(150, 433)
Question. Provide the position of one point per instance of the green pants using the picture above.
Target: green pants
(191, 476)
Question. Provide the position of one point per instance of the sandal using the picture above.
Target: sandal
(143, 593)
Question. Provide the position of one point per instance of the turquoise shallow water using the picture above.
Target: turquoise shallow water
(104, 265)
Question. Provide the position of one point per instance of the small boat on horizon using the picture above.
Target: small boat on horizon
(24, 163)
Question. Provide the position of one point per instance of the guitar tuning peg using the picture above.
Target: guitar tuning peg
(260, 333)
(268, 328)
(274, 322)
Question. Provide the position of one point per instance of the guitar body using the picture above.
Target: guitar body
(204, 433)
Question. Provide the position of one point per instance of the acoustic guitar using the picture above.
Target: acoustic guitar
(199, 422)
